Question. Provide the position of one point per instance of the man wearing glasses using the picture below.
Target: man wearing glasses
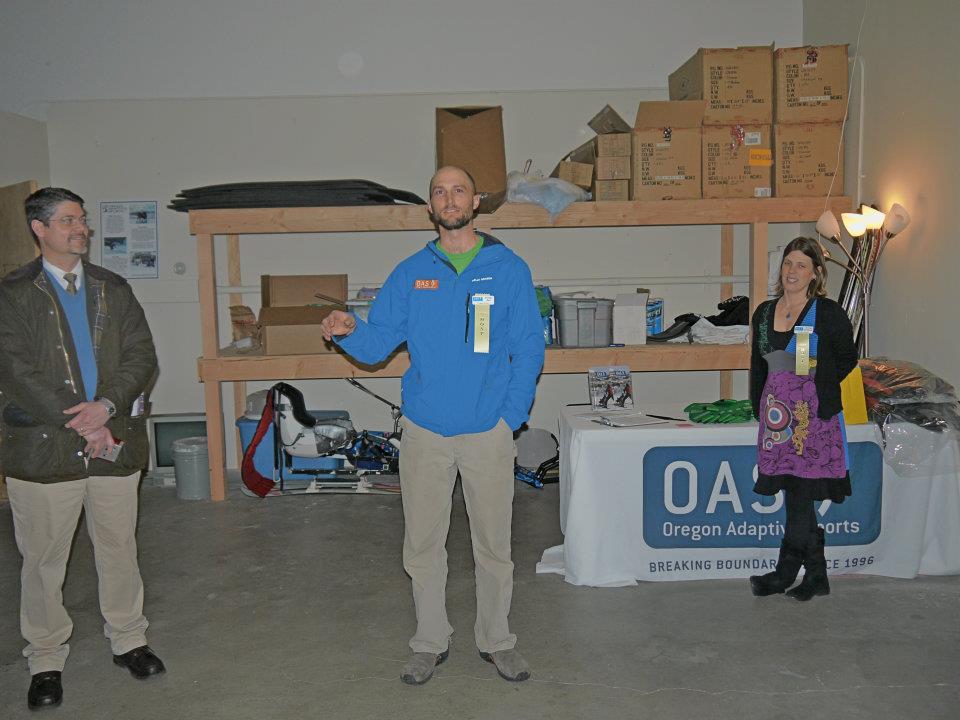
(77, 353)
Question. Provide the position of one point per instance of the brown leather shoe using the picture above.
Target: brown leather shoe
(141, 662)
(45, 690)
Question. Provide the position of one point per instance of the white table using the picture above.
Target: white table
(676, 502)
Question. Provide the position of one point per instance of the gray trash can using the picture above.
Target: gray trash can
(191, 466)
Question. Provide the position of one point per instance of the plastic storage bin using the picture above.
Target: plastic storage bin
(584, 322)
(263, 457)
(191, 466)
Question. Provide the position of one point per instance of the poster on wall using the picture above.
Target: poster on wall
(128, 237)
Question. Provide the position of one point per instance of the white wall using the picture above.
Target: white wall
(131, 49)
(911, 156)
(23, 150)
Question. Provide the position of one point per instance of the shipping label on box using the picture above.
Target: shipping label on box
(614, 145)
(294, 330)
(472, 138)
(611, 190)
(666, 150)
(808, 159)
(737, 161)
(298, 290)
(613, 168)
(580, 174)
(737, 84)
(811, 84)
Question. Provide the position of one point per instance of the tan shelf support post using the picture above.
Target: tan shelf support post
(726, 291)
(213, 399)
(234, 279)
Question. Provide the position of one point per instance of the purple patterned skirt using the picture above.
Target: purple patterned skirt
(792, 439)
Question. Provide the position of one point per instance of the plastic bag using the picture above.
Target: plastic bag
(916, 412)
(553, 194)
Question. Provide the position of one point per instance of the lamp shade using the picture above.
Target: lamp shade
(828, 226)
(897, 219)
(855, 223)
(874, 217)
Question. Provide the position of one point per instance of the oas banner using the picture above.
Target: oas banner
(676, 502)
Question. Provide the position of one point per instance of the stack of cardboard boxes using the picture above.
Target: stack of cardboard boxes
(811, 104)
(603, 163)
(736, 85)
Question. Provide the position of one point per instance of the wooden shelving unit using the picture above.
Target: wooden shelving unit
(216, 366)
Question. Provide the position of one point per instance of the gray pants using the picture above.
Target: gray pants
(45, 519)
(428, 472)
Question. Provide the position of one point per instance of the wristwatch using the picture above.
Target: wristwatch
(108, 404)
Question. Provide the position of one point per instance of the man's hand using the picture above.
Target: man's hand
(337, 322)
(98, 441)
(89, 416)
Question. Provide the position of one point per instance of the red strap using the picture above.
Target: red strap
(257, 483)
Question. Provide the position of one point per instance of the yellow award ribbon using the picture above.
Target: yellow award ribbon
(481, 323)
(803, 333)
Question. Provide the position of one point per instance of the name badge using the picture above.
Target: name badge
(481, 324)
(803, 333)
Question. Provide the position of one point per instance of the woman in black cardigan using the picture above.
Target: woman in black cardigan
(802, 349)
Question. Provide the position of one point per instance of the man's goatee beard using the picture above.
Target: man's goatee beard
(460, 222)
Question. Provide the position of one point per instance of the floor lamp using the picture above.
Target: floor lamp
(870, 231)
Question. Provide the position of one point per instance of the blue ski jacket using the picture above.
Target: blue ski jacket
(452, 387)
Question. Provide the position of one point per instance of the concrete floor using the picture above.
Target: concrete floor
(299, 608)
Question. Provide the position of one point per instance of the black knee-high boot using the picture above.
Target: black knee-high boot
(815, 570)
(777, 581)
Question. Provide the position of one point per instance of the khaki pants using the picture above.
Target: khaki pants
(44, 521)
(428, 472)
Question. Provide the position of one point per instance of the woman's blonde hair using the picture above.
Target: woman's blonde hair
(810, 248)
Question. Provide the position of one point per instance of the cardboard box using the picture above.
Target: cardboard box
(293, 330)
(607, 121)
(630, 318)
(737, 161)
(611, 190)
(806, 159)
(580, 174)
(666, 150)
(613, 168)
(614, 145)
(299, 290)
(737, 84)
(586, 153)
(811, 84)
(472, 138)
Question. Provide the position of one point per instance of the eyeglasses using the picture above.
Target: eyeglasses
(69, 221)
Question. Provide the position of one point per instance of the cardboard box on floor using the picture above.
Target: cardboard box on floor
(737, 84)
(666, 150)
(806, 158)
(811, 84)
(737, 161)
(472, 138)
(299, 290)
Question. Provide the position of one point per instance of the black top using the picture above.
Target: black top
(836, 353)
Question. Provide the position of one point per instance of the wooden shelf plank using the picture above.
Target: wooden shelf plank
(640, 358)
(385, 218)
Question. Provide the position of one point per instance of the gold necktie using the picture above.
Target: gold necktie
(71, 279)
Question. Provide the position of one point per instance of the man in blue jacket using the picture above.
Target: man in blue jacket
(466, 307)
